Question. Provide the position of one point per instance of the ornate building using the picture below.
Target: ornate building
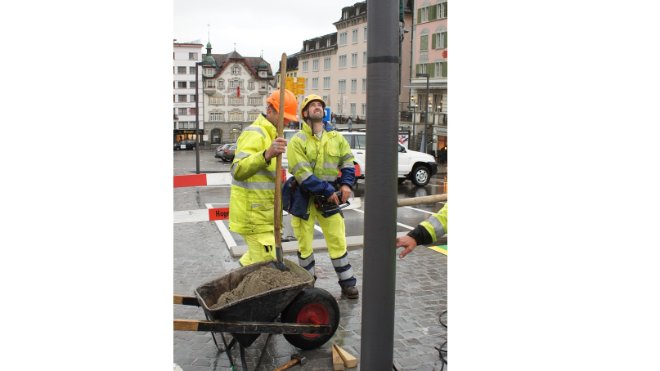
(235, 91)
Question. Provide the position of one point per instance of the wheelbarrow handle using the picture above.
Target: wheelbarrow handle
(186, 300)
(250, 327)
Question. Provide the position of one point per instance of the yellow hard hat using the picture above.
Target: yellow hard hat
(308, 99)
(290, 103)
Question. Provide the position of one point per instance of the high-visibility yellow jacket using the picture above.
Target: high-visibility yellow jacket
(431, 229)
(315, 162)
(253, 185)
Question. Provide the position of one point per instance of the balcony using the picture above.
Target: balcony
(210, 90)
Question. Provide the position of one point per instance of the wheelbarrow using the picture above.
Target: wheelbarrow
(307, 316)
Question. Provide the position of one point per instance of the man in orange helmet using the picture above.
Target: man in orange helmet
(252, 198)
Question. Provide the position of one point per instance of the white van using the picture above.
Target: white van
(417, 166)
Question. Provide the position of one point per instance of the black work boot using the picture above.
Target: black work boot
(350, 292)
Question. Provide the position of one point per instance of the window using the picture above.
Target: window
(440, 69)
(364, 109)
(326, 63)
(422, 15)
(181, 70)
(236, 101)
(254, 101)
(192, 56)
(181, 84)
(364, 85)
(360, 142)
(354, 60)
(364, 58)
(216, 116)
(439, 40)
(342, 86)
(191, 70)
(424, 42)
(315, 83)
(193, 84)
(250, 85)
(182, 98)
(210, 71)
(326, 83)
(209, 84)
(325, 98)
(304, 66)
(343, 38)
(236, 116)
(253, 116)
(183, 111)
(365, 34)
(192, 98)
(217, 100)
(353, 109)
(442, 10)
(355, 36)
(236, 70)
(221, 84)
(315, 65)
(342, 61)
(354, 86)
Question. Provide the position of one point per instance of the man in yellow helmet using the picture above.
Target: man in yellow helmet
(426, 232)
(252, 198)
(316, 154)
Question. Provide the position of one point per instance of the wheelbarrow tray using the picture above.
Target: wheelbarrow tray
(263, 307)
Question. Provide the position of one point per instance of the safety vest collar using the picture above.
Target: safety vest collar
(268, 126)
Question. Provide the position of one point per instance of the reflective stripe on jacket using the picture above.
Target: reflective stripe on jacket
(436, 224)
(315, 162)
(253, 180)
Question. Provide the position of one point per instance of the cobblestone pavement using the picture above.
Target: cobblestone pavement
(200, 255)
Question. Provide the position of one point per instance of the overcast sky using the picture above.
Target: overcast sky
(255, 25)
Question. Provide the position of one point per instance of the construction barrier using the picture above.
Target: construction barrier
(210, 179)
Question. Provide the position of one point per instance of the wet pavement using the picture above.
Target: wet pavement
(201, 254)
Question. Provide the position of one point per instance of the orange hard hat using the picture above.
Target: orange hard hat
(290, 103)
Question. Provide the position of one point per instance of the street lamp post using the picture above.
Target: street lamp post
(422, 146)
(197, 64)
(438, 110)
(412, 106)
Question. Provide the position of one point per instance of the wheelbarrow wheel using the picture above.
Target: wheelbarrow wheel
(312, 306)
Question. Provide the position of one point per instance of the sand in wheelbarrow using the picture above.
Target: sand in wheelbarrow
(257, 282)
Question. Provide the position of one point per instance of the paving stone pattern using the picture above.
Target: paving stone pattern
(200, 255)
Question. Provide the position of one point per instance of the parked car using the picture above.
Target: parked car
(226, 152)
(185, 144)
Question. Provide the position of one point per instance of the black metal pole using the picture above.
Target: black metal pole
(197, 117)
(379, 261)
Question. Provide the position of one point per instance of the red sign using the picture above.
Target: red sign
(219, 213)
(444, 53)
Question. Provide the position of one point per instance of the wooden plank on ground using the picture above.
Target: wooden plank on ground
(349, 360)
(337, 362)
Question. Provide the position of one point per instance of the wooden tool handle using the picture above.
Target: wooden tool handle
(287, 365)
(278, 163)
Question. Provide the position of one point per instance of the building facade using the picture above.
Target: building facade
(429, 75)
(185, 57)
(235, 92)
(334, 66)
